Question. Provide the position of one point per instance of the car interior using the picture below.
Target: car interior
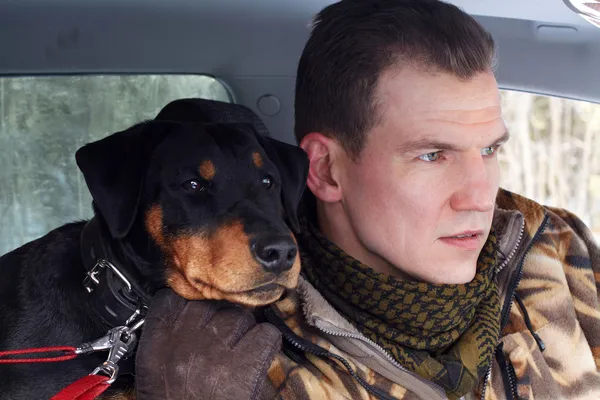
(73, 71)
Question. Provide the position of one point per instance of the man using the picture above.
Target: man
(422, 279)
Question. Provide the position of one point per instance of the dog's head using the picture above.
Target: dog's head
(219, 201)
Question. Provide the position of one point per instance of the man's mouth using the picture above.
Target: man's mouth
(468, 240)
(466, 234)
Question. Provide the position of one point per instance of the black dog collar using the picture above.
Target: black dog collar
(116, 292)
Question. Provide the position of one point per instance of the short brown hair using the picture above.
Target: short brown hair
(354, 41)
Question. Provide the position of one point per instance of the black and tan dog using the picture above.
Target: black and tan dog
(204, 208)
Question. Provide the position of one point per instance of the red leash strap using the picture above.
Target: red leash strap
(67, 353)
(118, 341)
(87, 388)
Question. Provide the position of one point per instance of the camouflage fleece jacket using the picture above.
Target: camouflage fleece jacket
(550, 342)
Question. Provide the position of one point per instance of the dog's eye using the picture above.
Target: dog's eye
(193, 186)
(267, 181)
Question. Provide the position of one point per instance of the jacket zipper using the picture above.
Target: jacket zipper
(487, 377)
(512, 379)
(500, 268)
(382, 351)
(317, 350)
(508, 374)
(514, 250)
(520, 275)
(513, 289)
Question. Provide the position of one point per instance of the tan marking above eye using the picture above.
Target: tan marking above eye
(257, 159)
(207, 170)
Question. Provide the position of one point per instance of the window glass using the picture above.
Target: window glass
(553, 155)
(44, 120)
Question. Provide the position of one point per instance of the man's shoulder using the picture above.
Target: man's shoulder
(561, 223)
(558, 299)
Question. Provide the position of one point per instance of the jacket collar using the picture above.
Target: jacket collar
(318, 313)
(521, 220)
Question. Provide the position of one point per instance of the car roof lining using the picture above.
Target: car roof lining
(254, 46)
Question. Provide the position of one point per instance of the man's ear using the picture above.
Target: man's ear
(292, 163)
(322, 180)
(114, 170)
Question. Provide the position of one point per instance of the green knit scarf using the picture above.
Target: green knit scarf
(444, 333)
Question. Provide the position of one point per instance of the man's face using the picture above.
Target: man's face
(420, 198)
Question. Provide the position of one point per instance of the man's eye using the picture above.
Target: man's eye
(489, 151)
(430, 157)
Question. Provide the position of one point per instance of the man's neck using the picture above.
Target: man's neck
(342, 234)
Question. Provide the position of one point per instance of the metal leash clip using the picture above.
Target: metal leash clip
(106, 342)
(119, 342)
(120, 348)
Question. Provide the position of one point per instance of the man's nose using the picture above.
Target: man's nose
(476, 187)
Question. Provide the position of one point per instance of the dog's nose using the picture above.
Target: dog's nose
(275, 253)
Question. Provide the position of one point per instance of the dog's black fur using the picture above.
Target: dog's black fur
(161, 224)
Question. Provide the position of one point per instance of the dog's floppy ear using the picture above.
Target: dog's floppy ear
(114, 170)
(292, 163)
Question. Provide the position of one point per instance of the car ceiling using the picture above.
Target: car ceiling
(254, 46)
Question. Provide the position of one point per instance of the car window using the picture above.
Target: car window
(553, 155)
(45, 119)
